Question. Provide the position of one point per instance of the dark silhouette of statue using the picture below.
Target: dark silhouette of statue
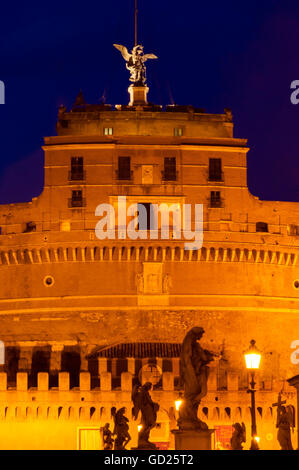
(80, 100)
(285, 420)
(143, 402)
(61, 111)
(238, 437)
(107, 437)
(194, 362)
(135, 63)
(121, 428)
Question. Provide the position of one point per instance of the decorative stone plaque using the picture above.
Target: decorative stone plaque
(152, 273)
(147, 174)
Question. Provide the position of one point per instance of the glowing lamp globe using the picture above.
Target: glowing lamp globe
(252, 356)
(178, 404)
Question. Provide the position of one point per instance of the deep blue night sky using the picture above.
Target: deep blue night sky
(238, 54)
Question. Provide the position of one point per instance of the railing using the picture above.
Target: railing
(216, 203)
(126, 176)
(168, 175)
(216, 177)
(76, 203)
(137, 252)
(77, 176)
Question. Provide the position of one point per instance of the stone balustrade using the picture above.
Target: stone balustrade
(211, 253)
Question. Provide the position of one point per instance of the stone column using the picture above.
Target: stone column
(159, 363)
(22, 381)
(42, 381)
(83, 358)
(126, 382)
(3, 381)
(131, 365)
(102, 364)
(176, 366)
(64, 381)
(106, 381)
(84, 381)
(294, 382)
(55, 360)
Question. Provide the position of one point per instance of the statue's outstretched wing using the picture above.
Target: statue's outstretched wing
(149, 56)
(124, 51)
(136, 399)
(291, 414)
(113, 414)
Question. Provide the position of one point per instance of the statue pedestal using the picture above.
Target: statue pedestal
(193, 439)
(138, 95)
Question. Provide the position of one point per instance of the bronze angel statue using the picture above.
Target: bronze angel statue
(194, 368)
(144, 404)
(238, 437)
(285, 421)
(107, 437)
(135, 63)
(121, 428)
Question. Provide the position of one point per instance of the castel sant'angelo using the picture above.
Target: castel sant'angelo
(84, 318)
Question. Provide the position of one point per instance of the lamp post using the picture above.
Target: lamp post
(253, 359)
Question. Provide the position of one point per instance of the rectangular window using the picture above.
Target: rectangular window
(215, 170)
(124, 168)
(215, 199)
(262, 227)
(293, 230)
(30, 227)
(108, 130)
(77, 199)
(144, 215)
(178, 131)
(169, 173)
(77, 169)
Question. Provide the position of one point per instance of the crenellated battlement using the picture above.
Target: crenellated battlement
(85, 404)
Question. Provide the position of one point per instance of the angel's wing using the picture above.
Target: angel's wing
(124, 51)
(149, 56)
(136, 399)
(291, 414)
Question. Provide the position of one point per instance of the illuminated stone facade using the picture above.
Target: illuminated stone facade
(70, 302)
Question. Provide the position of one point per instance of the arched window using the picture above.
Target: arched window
(227, 412)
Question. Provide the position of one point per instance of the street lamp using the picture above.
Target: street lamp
(178, 402)
(253, 359)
